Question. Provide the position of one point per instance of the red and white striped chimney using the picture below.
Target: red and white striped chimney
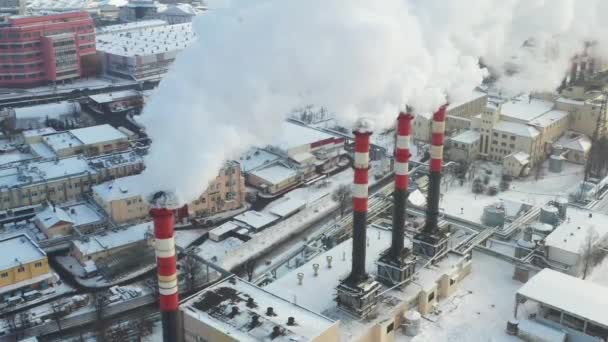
(166, 262)
(438, 131)
(402, 158)
(360, 193)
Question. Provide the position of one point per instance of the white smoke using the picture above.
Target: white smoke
(255, 61)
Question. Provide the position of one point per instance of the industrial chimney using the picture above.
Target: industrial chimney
(431, 242)
(357, 293)
(397, 263)
(167, 269)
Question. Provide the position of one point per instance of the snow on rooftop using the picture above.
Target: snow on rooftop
(83, 214)
(516, 129)
(214, 251)
(120, 188)
(97, 134)
(256, 219)
(113, 160)
(292, 135)
(570, 235)
(61, 141)
(114, 96)
(53, 215)
(255, 158)
(50, 110)
(214, 305)
(275, 174)
(287, 206)
(44, 170)
(521, 157)
(466, 137)
(574, 141)
(38, 132)
(525, 109)
(42, 150)
(113, 239)
(18, 250)
(549, 118)
(582, 298)
(147, 41)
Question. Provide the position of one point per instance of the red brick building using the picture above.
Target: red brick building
(43, 49)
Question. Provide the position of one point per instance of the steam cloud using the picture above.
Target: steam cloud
(255, 61)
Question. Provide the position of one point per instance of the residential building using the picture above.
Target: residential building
(123, 198)
(12, 7)
(91, 141)
(50, 48)
(143, 53)
(24, 266)
(562, 308)
(61, 180)
(103, 245)
(224, 312)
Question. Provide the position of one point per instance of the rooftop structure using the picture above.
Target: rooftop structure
(97, 134)
(242, 311)
(256, 220)
(43, 171)
(114, 96)
(94, 140)
(19, 250)
(120, 188)
(516, 128)
(113, 239)
(524, 108)
(131, 26)
(255, 158)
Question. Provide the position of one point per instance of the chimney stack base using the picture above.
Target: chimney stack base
(358, 299)
(392, 272)
(431, 245)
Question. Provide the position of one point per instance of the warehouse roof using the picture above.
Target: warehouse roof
(120, 188)
(524, 108)
(575, 296)
(466, 137)
(113, 238)
(516, 129)
(571, 235)
(114, 96)
(275, 174)
(97, 134)
(44, 170)
(18, 250)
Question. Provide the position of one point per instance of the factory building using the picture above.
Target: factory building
(50, 48)
(90, 141)
(122, 198)
(553, 306)
(235, 310)
(61, 180)
(25, 266)
(464, 147)
(143, 53)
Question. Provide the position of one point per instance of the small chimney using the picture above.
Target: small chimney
(291, 321)
(270, 311)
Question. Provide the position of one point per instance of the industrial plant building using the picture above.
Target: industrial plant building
(24, 268)
(143, 53)
(43, 49)
(122, 198)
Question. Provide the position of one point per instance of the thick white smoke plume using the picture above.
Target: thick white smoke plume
(255, 61)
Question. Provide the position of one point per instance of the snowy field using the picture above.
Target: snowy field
(526, 190)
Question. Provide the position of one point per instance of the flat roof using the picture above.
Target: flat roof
(516, 128)
(213, 306)
(98, 134)
(275, 173)
(51, 215)
(466, 137)
(576, 296)
(549, 118)
(18, 250)
(34, 172)
(574, 141)
(50, 110)
(61, 141)
(292, 135)
(120, 188)
(255, 158)
(570, 235)
(525, 109)
(113, 239)
(287, 206)
(38, 132)
(114, 96)
(256, 219)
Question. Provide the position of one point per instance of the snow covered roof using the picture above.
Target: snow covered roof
(520, 157)
(256, 219)
(120, 188)
(113, 160)
(287, 206)
(570, 235)
(466, 137)
(214, 306)
(38, 132)
(132, 26)
(255, 158)
(50, 110)
(18, 250)
(53, 215)
(292, 135)
(574, 141)
(147, 41)
(98, 134)
(549, 118)
(44, 170)
(576, 296)
(83, 214)
(516, 129)
(178, 9)
(111, 239)
(275, 174)
(114, 96)
(525, 109)
(60, 141)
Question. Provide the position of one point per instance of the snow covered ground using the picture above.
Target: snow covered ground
(479, 310)
(527, 190)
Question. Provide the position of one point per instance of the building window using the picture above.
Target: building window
(512, 145)
(38, 264)
(390, 327)
(20, 269)
(495, 134)
(431, 297)
(573, 322)
(596, 331)
(4, 275)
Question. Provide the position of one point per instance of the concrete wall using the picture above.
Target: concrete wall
(24, 272)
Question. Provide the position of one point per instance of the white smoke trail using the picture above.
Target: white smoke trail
(255, 61)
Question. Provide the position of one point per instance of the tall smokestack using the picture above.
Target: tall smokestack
(360, 192)
(402, 158)
(432, 208)
(167, 271)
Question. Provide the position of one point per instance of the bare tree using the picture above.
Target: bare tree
(342, 195)
(101, 302)
(588, 251)
(191, 267)
(58, 313)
